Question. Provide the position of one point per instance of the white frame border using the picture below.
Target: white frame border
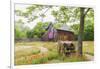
(74, 3)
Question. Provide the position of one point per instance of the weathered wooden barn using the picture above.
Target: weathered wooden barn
(62, 33)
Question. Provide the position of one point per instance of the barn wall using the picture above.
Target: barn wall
(62, 35)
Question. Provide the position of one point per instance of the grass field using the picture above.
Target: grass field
(46, 52)
(88, 47)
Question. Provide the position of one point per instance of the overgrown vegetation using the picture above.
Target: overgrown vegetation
(33, 55)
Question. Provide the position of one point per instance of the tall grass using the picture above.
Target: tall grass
(88, 47)
(26, 56)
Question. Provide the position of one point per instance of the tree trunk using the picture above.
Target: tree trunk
(81, 30)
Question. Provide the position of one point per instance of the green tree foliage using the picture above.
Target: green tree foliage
(66, 14)
(29, 34)
(88, 27)
(30, 12)
(19, 34)
(20, 30)
(38, 30)
(89, 32)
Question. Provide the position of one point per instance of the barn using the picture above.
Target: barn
(62, 33)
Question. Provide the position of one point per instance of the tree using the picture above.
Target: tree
(89, 30)
(32, 12)
(38, 30)
(88, 27)
(20, 30)
(66, 14)
(81, 29)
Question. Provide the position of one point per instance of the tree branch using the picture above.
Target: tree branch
(44, 13)
(87, 11)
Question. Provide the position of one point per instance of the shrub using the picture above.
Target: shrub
(52, 55)
(35, 51)
(40, 60)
